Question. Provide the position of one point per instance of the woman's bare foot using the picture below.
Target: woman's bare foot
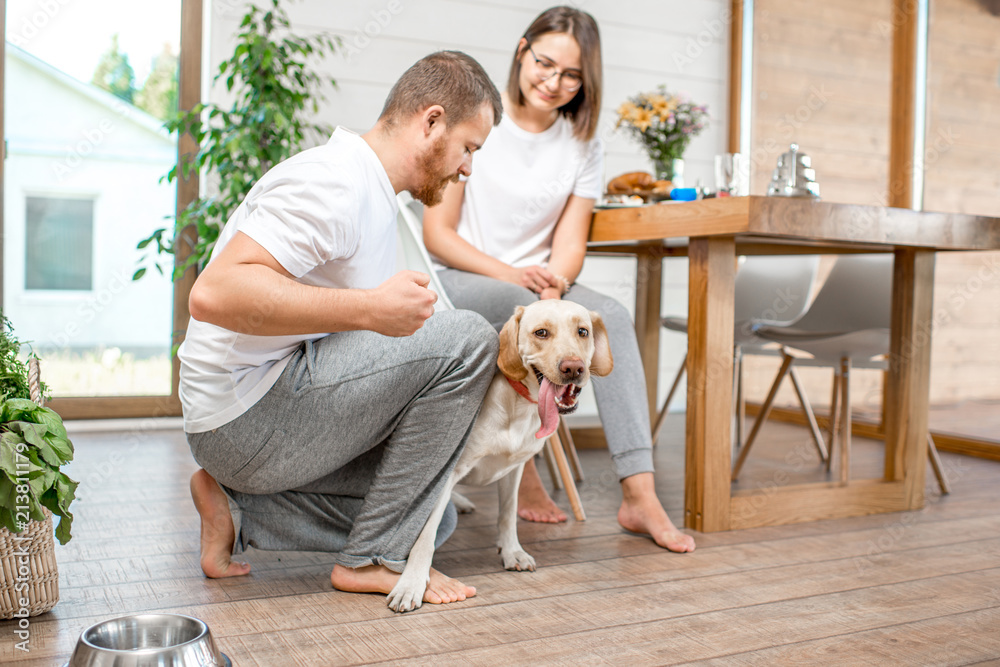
(533, 502)
(380, 579)
(641, 512)
(217, 532)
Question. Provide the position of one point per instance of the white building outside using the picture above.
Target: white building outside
(82, 188)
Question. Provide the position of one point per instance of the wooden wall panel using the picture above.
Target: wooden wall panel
(821, 79)
(963, 133)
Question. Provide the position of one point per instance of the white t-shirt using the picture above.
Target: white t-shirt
(520, 184)
(328, 216)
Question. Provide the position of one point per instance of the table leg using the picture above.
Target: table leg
(648, 286)
(707, 492)
(907, 394)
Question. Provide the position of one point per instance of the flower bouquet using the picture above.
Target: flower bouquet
(664, 123)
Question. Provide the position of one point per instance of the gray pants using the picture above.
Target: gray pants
(621, 396)
(350, 449)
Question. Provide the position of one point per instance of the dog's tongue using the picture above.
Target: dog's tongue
(547, 409)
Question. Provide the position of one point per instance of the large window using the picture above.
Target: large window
(822, 74)
(87, 87)
(962, 160)
(59, 235)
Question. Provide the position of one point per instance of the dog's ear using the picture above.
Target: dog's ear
(509, 362)
(601, 363)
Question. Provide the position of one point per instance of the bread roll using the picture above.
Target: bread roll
(635, 181)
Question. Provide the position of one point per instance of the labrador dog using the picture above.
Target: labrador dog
(548, 351)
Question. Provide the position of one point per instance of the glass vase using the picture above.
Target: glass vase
(670, 169)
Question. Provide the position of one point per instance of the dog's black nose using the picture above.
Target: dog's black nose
(571, 369)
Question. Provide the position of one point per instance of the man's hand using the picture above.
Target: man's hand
(402, 304)
(536, 278)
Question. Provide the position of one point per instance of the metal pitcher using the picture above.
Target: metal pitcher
(794, 176)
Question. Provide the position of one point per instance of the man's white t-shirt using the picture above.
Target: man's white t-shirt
(328, 216)
(519, 186)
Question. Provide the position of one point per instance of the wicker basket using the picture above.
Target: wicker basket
(28, 558)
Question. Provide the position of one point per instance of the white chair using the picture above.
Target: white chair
(847, 326)
(771, 290)
(414, 254)
(560, 452)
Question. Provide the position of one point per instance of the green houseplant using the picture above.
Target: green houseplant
(272, 88)
(33, 447)
(33, 488)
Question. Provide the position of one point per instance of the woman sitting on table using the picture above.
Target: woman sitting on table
(516, 231)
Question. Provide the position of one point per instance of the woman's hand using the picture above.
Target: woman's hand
(536, 278)
(550, 293)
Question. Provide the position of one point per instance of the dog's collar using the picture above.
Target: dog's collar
(520, 388)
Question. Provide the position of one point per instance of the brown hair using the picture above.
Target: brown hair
(449, 78)
(585, 107)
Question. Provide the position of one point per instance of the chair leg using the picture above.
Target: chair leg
(550, 462)
(935, 458)
(739, 405)
(567, 440)
(832, 427)
(845, 420)
(810, 416)
(666, 404)
(741, 408)
(765, 410)
(567, 477)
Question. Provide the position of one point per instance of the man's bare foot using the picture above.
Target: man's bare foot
(641, 512)
(217, 532)
(533, 502)
(441, 589)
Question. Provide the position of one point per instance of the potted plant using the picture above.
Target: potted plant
(33, 448)
(272, 87)
(664, 124)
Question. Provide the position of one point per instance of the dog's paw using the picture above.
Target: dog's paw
(462, 504)
(406, 596)
(518, 560)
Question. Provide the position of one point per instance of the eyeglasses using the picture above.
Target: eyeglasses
(570, 81)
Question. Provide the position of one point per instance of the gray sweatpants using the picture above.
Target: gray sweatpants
(350, 449)
(621, 396)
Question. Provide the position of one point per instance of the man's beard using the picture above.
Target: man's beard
(430, 165)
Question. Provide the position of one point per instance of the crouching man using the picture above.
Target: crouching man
(324, 403)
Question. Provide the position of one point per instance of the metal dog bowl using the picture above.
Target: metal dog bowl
(148, 640)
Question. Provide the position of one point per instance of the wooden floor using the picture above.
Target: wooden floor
(920, 588)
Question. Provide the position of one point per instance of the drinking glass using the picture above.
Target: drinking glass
(732, 175)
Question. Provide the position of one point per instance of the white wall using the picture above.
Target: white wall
(683, 44)
(62, 143)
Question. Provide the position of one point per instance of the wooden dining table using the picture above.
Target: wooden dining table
(712, 233)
